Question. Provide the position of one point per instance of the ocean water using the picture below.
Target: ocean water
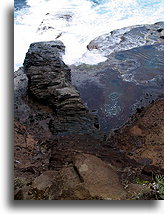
(76, 23)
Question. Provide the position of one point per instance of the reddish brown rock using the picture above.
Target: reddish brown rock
(99, 178)
(89, 178)
(142, 139)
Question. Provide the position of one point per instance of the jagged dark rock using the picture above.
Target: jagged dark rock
(45, 53)
(49, 82)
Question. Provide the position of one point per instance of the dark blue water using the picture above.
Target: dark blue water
(19, 4)
(99, 1)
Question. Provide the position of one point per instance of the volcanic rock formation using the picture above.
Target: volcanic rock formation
(61, 152)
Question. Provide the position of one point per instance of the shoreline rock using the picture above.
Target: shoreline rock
(49, 84)
(127, 38)
(60, 153)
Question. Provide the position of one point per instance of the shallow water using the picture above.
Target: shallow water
(113, 97)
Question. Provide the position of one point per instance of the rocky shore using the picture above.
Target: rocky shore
(128, 38)
(62, 149)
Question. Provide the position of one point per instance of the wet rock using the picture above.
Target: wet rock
(127, 38)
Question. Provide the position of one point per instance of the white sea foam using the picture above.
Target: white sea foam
(77, 22)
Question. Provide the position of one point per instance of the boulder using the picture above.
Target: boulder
(88, 178)
(99, 178)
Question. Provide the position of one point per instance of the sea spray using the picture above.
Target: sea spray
(76, 23)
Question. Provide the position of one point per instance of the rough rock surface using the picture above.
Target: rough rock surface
(99, 178)
(127, 38)
(49, 79)
(88, 178)
(142, 140)
(59, 151)
(49, 83)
